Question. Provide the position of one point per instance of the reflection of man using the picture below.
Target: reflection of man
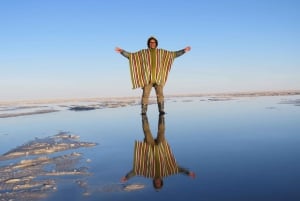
(153, 158)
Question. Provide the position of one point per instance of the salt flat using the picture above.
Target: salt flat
(240, 146)
(31, 107)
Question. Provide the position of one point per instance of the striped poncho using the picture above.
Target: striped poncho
(153, 161)
(141, 67)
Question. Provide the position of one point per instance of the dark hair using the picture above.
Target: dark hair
(151, 38)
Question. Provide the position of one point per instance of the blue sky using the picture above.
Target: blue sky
(65, 48)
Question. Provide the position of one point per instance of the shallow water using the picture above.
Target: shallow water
(239, 148)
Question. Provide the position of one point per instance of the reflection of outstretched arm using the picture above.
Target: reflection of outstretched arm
(186, 172)
(128, 176)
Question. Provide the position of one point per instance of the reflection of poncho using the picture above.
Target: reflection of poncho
(154, 160)
(140, 66)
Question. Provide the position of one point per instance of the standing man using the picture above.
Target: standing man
(149, 68)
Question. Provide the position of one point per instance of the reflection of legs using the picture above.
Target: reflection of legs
(160, 98)
(147, 132)
(161, 129)
(145, 97)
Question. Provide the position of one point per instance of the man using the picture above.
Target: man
(153, 158)
(149, 68)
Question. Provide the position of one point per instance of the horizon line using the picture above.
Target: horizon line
(90, 99)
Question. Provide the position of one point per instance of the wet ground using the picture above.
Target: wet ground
(240, 148)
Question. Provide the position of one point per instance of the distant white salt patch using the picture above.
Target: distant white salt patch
(22, 110)
(295, 102)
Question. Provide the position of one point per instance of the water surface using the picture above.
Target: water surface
(239, 148)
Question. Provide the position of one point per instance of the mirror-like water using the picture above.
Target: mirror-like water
(238, 148)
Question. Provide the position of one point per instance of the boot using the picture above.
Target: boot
(144, 109)
(161, 108)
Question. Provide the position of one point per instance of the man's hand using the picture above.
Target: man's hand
(119, 50)
(123, 179)
(188, 48)
(192, 175)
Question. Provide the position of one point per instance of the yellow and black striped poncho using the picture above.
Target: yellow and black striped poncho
(153, 161)
(141, 67)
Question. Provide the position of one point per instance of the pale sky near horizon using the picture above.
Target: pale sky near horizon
(65, 48)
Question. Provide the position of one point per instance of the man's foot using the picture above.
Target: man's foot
(161, 108)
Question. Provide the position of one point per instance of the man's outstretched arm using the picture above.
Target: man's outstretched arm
(181, 52)
(123, 52)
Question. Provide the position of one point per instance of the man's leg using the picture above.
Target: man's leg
(160, 98)
(145, 98)
(147, 132)
(161, 129)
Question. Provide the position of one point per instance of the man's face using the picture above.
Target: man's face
(157, 182)
(152, 44)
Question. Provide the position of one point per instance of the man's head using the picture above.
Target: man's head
(158, 183)
(152, 42)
